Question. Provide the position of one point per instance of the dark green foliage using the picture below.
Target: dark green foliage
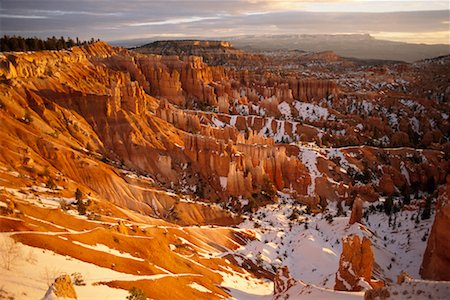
(252, 204)
(81, 207)
(18, 43)
(329, 218)
(78, 194)
(50, 184)
(268, 188)
(136, 294)
(200, 189)
(388, 205)
(426, 213)
(431, 185)
(406, 199)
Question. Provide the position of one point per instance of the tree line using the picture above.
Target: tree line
(18, 43)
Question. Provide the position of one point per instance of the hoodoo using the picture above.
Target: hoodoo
(196, 170)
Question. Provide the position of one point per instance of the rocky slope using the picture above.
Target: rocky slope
(435, 265)
(173, 170)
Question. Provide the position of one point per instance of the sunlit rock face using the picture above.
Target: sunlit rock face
(357, 209)
(355, 265)
(171, 152)
(436, 260)
(282, 282)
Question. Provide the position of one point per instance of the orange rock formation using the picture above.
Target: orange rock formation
(355, 265)
(436, 259)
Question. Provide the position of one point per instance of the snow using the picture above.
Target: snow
(393, 120)
(405, 172)
(413, 105)
(31, 274)
(41, 200)
(343, 162)
(367, 106)
(415, 124)
(346, 284)
(245, 287)
(233, 120)
(106, 249)
(281, 136)
(29, 278)
(311, 112)
(50, 295)
(242, 109)
(312, 251)
(267, 129)
(305, 291)
(223, 182)
(285, 109)
(218, 123)
(199, 287)
(420, 290)
(309, 159)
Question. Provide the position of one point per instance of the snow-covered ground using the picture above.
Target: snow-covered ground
(310, 245)
(246, 287)
(34, 270)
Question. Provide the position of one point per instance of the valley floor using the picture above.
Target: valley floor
(310, 245)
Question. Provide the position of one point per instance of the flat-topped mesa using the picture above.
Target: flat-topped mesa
(184, 44)
(213, 52)
(216, 44)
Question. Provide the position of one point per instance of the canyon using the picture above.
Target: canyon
(196, 170)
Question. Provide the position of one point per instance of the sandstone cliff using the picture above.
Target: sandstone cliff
(436, 259)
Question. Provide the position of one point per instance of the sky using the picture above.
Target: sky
(112, 20)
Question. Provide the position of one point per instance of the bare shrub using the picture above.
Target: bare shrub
(9, 253)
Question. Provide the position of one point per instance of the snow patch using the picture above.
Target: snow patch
(223, 182)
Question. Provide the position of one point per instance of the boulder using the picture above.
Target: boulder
(62, 288)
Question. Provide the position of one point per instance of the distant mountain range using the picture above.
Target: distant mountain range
(361, 46)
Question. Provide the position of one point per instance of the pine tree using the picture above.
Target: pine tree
(81, 207)
(426, 213)
(388, 205)
(136, 294)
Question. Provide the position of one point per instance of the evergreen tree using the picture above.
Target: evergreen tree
(70, 43)
(136, 294)
(388, 205)
(81, 207)
(14, 43)
(426, 213)
(431, 185)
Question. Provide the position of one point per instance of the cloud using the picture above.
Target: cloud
(174, 21)
(10, 16)
(114, 19)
